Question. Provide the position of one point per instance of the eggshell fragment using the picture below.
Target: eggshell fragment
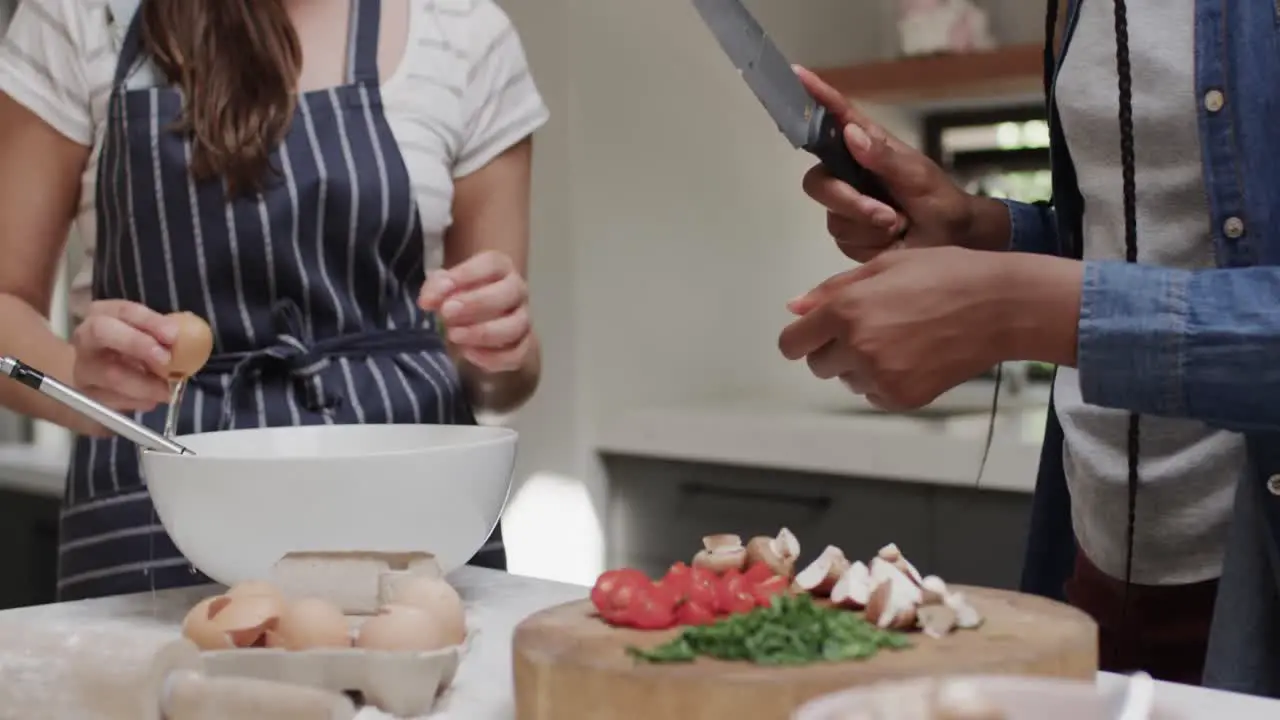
(438, 599)
(247, 618)
(310, 623)
(200, 628)
(401, 628)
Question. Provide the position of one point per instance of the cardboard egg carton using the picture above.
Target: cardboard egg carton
(357, 582)
(404, 684)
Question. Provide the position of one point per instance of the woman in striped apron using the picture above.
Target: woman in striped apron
(309, 270)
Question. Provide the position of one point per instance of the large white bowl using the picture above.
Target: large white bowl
(248, 497)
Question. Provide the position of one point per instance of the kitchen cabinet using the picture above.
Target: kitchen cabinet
(28, 548)
(659, 510)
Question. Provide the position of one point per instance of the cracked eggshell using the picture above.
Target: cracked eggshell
(821, 576)
(199, 627)
(247, 618)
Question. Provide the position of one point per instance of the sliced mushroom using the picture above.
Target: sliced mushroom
(892, 553)
(967, 616)
(724, 541)
(721, 561)
(823, 573)
(890, 608)
(779, 553)
(889, 552)
(853, 589)
(935, 590)
(936, 621)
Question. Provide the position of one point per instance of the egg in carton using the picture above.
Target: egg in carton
(386, 628)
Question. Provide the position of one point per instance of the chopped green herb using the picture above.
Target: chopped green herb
(793, 630)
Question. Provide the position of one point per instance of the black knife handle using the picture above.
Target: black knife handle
(831, 149)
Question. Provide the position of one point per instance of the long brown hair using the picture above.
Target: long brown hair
(237, 63)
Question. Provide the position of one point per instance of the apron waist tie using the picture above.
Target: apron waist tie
(299, 356)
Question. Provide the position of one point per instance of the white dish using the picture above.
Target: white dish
(1017, 698)
(248, 497)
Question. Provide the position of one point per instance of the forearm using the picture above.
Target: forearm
(502, 392)
(1041, 307)
(26, 336)
(1152, 340)
(990, 225)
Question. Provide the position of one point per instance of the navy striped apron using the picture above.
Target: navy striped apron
(310, 287)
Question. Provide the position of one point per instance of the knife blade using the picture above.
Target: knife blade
(800, 118)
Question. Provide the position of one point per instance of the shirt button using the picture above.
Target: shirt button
(1233, 227)
(1214, 100)
(1273, 484)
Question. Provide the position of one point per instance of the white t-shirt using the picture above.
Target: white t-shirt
(461, 95)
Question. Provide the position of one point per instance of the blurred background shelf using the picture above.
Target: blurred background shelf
(1015, 70)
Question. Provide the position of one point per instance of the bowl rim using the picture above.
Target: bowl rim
(503, 436)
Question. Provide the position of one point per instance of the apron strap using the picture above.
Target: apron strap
(126, 11)
(299, 356)
(362, 43)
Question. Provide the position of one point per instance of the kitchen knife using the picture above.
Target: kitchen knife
(800, 117)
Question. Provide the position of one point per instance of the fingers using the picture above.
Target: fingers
(830, 98)
(107, 332)
(841, 199)
(119, 381)
(484, 303)
(163, 329)
(498, 334)
(482, 269)
(504, 360)
(810, 332)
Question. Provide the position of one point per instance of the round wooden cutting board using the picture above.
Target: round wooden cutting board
(570, 665)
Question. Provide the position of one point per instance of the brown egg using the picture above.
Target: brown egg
(437, 598)
(400, 628)
(199, 626)
(247, 618)
(192, 347)
(310, 623)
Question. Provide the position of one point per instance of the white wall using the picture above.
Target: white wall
(669, 228)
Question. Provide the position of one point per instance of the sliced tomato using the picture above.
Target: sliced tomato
(614, 591)
(758, 573)
(765, 591)
(693, 613)
(734, 595)
(703, 588)
(649, 609)
(676, 582)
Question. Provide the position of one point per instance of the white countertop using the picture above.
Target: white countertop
(935, 450)
(496, 603)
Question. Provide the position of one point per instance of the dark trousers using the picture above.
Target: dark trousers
(1165, 630)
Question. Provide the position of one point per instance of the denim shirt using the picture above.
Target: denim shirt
(1203, 344)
